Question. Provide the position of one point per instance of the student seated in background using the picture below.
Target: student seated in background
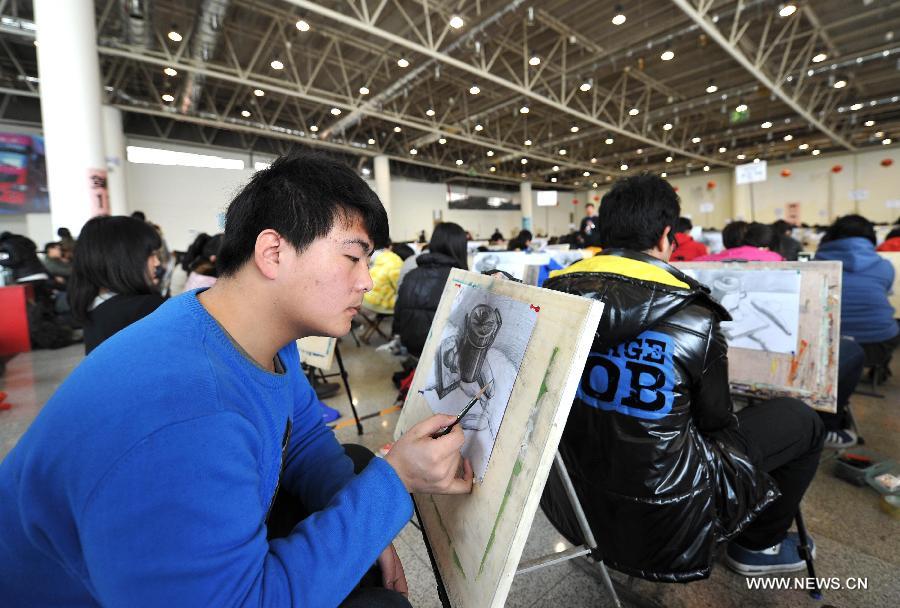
(866, 313)
(59, 268)
(521, 242)
(199, 261)
(114, 278)
(420, 291)
(754, 245)
(891, 241)
(149, 478)
(686, 248)
(661, 463)
(784, 243)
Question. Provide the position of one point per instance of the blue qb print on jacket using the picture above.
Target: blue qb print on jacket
(635, 378)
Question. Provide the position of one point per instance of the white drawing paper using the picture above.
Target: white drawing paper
(483, 344)
(764, 306)
(513, 262)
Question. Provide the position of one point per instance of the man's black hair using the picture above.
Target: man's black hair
(733, 234)
(782, 227)
(111, 253)
(300, 196)
(636, 211)
(683, 224)
(760, 235)
(450, 239)
(893, 234)
(139, 215)
(850, 226)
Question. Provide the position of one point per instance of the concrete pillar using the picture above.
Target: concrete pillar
(70, 108)
(526, 202)
(114, 145)
(383, 182)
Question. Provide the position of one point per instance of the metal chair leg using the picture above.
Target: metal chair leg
(806, 553)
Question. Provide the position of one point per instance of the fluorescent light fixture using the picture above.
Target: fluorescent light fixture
(524, 161)
(706, 167)
(803, 146)
(840, 84)
(302, 25)
(260, 165)
(459, 161)
(335, 111)
(474, 90)
(667, 126)
(816, 152)
(371, 141)
(479, 128)
(175, 36)
(870, 123)
(259, 92)
(158, 156)
(788, 137)
(586, 174)
(489, 153)
(741, 156)
(456, 22)
(523, 110)
(787, 10)
(609, 141)
(363, 90)
(397, 129)
(766, 125)
(170, 72)
(442, 140)
(633, 112)
(574, 129)
(167, 97)
(623, 167)
(562, 151)
(245, 113)
(667, 55)
(413, 151)
(430, 112)
(723, 150)
(402, 62)
(277, 65)
(668, 159)
(315, 129)
(820, 58)
(527, 142)
(695, 140)
(534, 61)
(585, 86)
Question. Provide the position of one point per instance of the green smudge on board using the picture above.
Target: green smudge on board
(517, 467)
(447, 534)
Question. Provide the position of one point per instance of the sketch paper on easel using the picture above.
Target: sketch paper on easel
(482, 345)
(764, 306)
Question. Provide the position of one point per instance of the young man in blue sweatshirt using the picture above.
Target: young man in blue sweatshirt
(148, 478)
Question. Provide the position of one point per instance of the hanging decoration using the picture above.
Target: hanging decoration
(711, 185)
(596, 198)
(786, 173)
(574, 201)
(887, 162)
(837, 168)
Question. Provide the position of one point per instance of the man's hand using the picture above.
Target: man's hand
(392, 576)
(430, 466)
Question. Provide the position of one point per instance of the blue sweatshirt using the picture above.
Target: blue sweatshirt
(147, 478)
(866, 312)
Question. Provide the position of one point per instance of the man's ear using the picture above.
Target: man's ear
(266, 253)
(663, 246)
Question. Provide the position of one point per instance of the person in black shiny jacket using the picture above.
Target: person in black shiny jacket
(662, 465)
(420, 291)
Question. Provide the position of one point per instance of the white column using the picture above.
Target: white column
(70, 108)
(383, 182)
(114, 146)
(525, 196)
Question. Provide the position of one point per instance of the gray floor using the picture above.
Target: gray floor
(854, 537)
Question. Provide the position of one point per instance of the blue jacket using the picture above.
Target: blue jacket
(866, 314)
(147, 478)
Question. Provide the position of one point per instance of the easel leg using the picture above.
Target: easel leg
(337, 354)
(806, 553)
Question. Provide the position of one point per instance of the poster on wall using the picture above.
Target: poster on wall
(23, 174)
(465, 200)
(792, 213)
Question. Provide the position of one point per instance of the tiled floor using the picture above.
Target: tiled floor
(854, 537)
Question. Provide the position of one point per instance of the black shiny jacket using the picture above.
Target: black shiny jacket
(418, 299)
(651, 443)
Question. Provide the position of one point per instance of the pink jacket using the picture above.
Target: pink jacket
(745, 252)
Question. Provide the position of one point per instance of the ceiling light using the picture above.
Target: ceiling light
(315, 129)
(594, 185)
(430, 112)
(402, 62)
(524, 161)
(167, 97)
(870, 123)
(623, 167)
(668, 159)
(170, 72)
(706, 167)
(302, 25)
(667, 55)
(459, 161)
(523, 174)
(633, 112)
(371, 140)
(456, 22)
(667, 126)
(664, 174)
(594, 161)
(816, 152)
(803, 146)
(276, 65)
(609, 141)
(619, 17)
(335, 111)
(553, 180)
(527, 142)
(879, 134)
(886, 142)
(523, 110)
(695, 140)
(766, 125)
(741, 108)
(493, 169)
(490, 153)
(474, 90)
(585, 86)
(413, 151)
(788, 137)
(787, 9)
(479, 128)
(856, 106)
(259, 92)
(741, 156)
(562, 151)
(366, 171)
(712, 88)
(534, 61)
(245, 113)
(640, 150)
(556, 167)
(840, 84)
(586, 174)
(820, 58)
(363, 90)
(442, 141)
(174, 36)
(397, 129)
(574, 129)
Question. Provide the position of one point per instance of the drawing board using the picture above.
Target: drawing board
(786, 334)
(534, 344)
(317, 351)
(519, 264)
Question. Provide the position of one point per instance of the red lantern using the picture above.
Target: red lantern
(887, 162)
(710, 185)
(785, 173)
(574, 201)
(596, 198)
(837, 168)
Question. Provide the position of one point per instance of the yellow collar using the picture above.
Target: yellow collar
(627, 267)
